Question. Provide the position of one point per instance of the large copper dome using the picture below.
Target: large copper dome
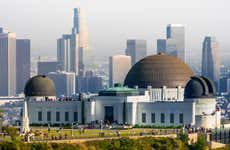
(158, 71)
(39, 85)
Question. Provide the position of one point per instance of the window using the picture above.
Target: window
(153, 119)
(171, 118)
(144, 117)
(66, 116)
(39, 116)
(75, 117)
(57, 116)
(162, 118)
(181, 118)
(48, 115)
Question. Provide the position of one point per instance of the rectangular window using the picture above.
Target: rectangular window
(39, 116)
(75, 117)
(153, 119)
(162, 118)
(66, 116)
(181, 118)
(57, 116)
(48, 115)
(171, 118)
(144, 117)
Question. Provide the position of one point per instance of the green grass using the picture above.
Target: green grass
(42, 133)
(95, 133)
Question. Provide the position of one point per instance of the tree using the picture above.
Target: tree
(200, 144)
(183, 137)
(11, 131)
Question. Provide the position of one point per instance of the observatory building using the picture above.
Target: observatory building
(159, 90)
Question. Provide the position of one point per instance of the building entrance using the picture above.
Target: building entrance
(109, 114)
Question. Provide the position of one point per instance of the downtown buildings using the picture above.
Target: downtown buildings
(211, 60)
(75, 55)
(88, 83)
(14, 63)
(137, 49)
(174, 44)
(45, 67)
(64, 83)
(73, 49)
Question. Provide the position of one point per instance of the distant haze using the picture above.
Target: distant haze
(111, 22)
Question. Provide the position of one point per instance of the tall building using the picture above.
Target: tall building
(65, 52)
(73, 49)
(64, 83)
(23, 63)
(119, 65)
(175, 44)
(45, 67)
(137, 49)
(7, 63)
(211, 59)
(161, 46)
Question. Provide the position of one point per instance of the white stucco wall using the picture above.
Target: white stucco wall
(53, 106)
(187, 109)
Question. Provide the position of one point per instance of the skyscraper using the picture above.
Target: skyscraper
(175, 44)
(211, 59)
(64, 83)
(64, 52)
(85, 53)
(119, 65)
(137, 49)
(23, 63)
(73, 49)
(7, 63)
(161, 46)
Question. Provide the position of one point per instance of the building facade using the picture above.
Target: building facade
(119, 65)
(136, 49)
(7, 63)
(23, 63)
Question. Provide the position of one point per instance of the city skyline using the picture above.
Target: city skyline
(132, 27)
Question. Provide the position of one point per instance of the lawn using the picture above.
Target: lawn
(56, 133)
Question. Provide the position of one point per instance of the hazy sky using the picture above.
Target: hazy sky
(111, 22)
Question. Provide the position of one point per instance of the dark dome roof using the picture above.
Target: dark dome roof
(158, 71)
(200, 87)
(39, 85)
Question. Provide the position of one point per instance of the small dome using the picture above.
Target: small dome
(39, 85)
(200, 87)
(158, 71)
